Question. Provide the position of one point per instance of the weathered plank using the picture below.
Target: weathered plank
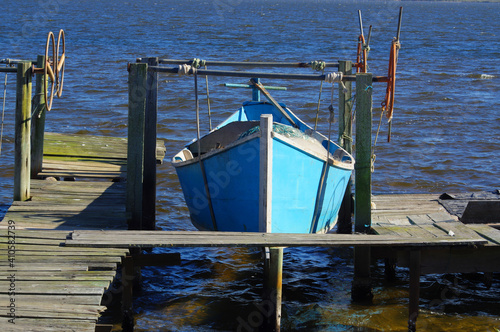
(48, 325)
(456, 229)
(89, 146)
(487, 232)
(126, 239)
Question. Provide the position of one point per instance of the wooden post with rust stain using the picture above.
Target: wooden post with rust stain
(273, 265)
(38, 122)
(137, 96)
(22, 159)
(150, 133)
(344, 225)
(361, 286)
(276, 278)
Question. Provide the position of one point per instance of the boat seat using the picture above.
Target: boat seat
(183, 155)
(221, 137)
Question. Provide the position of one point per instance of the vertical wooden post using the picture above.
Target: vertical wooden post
(22, 159)
(361, 287)
(344, 225)
(137, 94)
(275, 291)
(38, 125)
(266, 168)
(127, 294)
(149, 186)
(415, 270)
(273, 269)
(363, 183)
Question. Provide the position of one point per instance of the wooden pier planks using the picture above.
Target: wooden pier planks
(68, 205)
(55, 288)
(58, 288)
(423, 217)
(85, 156)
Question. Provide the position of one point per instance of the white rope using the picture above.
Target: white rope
(186, 70)
(334, 77)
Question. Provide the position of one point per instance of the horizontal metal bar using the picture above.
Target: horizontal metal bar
(247, 74)
(8, 70)
(14, 61)
(246, 63)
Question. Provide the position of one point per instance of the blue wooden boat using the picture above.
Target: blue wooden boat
(251, 174)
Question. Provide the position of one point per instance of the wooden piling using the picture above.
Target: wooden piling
(344, 224)
(361, 286)
(150, 133)
(415, 271)
(275, 290)
(273, 266)
(135, 150)
(127, 294)
(22, 159)
(363, 183)
(38, 122)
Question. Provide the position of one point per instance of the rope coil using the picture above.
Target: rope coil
(197, 63)
(186, 70)
(334, 77)
(317, 65)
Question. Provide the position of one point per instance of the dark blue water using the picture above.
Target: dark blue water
(444, 136)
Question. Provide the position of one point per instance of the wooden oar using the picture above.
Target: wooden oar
(273, 101)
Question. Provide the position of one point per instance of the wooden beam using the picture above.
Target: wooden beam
(414, 289)
(363, 183)
(126, 239)
(150, 121)
(165, 259)
(344, 225)
(135, 153)
(128, 275)
(266, 169)
(273, 292)
(22, 158)
(361, 286)
(37, 138)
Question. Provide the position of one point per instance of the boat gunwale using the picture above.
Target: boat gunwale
(331, 161)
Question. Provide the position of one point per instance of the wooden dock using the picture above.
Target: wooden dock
(53, 287)
(413, 231)
(46, 286)
(87, 191)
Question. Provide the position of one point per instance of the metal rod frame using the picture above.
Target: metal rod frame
(245, 63)
(305, 77)
(8, 70)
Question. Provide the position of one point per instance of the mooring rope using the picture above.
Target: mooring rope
(3, 112)
(185, 69)
(318, 65)
(208, 103)
(374, 156)
(315, 66)
(195, 65)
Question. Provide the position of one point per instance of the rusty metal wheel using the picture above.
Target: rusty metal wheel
(49, 71)
(61, 59)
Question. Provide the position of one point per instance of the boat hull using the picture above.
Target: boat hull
(306, 190)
